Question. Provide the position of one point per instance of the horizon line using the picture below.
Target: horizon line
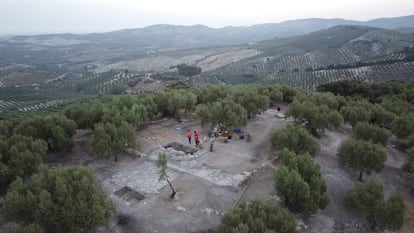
(57, 32)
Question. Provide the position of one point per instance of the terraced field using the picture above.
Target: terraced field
(147, 87)
(343, 52)
(217, 60)
(70, 87)
(318, 59)
(27, 106)
(96, 83)
(311, 80)
(57, 76)
(403, 71)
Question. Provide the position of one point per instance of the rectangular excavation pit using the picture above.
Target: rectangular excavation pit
(180, 147)
(129, 195)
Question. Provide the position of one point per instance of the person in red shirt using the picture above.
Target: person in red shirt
(189, 135)
(196, 138)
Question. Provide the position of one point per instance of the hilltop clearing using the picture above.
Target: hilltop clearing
(210, 183)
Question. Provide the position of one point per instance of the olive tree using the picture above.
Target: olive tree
(355, 113)
(86, 114)
(20, 156)
(6, 127)
(369, 199)
(381, 117)
(403, 125)
(296, 139)
(372, 133)
(56, 130)
(224, 113)
(298, 181)
(170, 102)
(362, 156)
(110, 138)
(211, 93)
(259, 217)
(273, 92)
(397, 105)
(61, 200)
(408, 166)
(289, 92)
(249, 98)
(317, 111)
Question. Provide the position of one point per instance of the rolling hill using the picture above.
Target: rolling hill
(78, 51)
(164, 36)
(341, 51)
(44, 71)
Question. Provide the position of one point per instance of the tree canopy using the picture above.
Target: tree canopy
(61, 200)
(369, 199)
(370, 91)
(188, 71)
(56, 130)
(360, 110)
(289, 92)
(409, 164)
(298, 181)
(249, 98)
(356, 111)
(372, 133)
(296, 139)
(20, 156)
(362, 156)
(381, 117)
(396, 105)
(170, 102)
(110, 138)
(259, 217)
(86, 114)
(316, 111)
(224, 113)
(403, 125)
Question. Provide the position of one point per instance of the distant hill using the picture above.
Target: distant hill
(340, 52)
(165, 36)
(44, 71)
(364, 42)
(197, 35)
(232, 54)
(391, 23)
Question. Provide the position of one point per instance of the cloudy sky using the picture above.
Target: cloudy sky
(81, 16)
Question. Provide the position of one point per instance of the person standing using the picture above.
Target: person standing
(189, 135)
(196, 138)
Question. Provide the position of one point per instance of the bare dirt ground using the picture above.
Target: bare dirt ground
(210, 183)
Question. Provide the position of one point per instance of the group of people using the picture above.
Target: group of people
(190, 135)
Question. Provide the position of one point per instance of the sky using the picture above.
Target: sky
(85, 16)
